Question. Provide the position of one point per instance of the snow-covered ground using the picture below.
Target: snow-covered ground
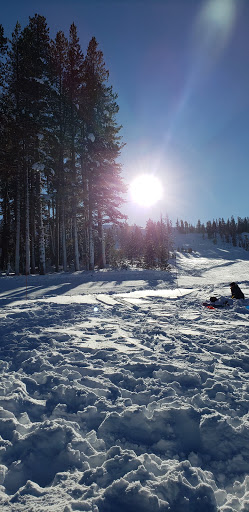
(121, 392)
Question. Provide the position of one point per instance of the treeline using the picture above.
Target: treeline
(229, 231)
(147, 247)
(60, 179)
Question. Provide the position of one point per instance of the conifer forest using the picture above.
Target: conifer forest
(60, 179)
(61, 184)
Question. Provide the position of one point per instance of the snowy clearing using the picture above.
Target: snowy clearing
(119, 391)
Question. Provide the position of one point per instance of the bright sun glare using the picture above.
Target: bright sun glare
(146, 190)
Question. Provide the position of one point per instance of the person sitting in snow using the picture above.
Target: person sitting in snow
(221, 301)
(236, 291)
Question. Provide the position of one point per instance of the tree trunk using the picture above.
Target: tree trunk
(85, 210)
(87, 245)
(42, 260)
(57, 235)
(91, 247)
(32, 223)
(27, 232)
(74, 206)
(18, 228)
(63, 236)
(90, 229)
(102, 256)
(76, 244)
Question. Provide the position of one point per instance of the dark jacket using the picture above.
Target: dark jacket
(236, 291)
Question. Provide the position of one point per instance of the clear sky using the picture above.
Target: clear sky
(181, 72)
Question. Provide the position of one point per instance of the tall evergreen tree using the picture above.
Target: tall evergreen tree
(28, 92)
(150, 244)
(3, 151)
(101, 147)
(233, 230)
(3, 49)
(74, 83)
(198, 227)
(59, 49)
(38, 93)
(17, 142)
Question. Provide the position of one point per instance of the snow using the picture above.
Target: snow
(121, 392)
(91, 137)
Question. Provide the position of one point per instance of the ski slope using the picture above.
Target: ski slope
(119, 391)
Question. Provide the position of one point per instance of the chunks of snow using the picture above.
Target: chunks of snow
(120, 392)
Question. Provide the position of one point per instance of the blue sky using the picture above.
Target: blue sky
(181, 71)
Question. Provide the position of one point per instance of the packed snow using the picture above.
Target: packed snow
(121, 392)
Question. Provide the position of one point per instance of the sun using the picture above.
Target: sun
(146, 190)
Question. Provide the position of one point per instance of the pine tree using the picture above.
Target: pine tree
(227, 231)
(38, 76)
(101, 174)
(59, 49)
(15, 89)
(111, 251)
(3, 49)
(209, 229)
(214, 229)
(3, 155)
(233, 231)
(198, 227)
(11, 156)
(240, 225)
(74, 83)
(151, 240)
(181, 229)
(29, 88)
(136, 244)
(222, 228)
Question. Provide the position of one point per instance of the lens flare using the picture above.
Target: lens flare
(214, 25)
(146, 190)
